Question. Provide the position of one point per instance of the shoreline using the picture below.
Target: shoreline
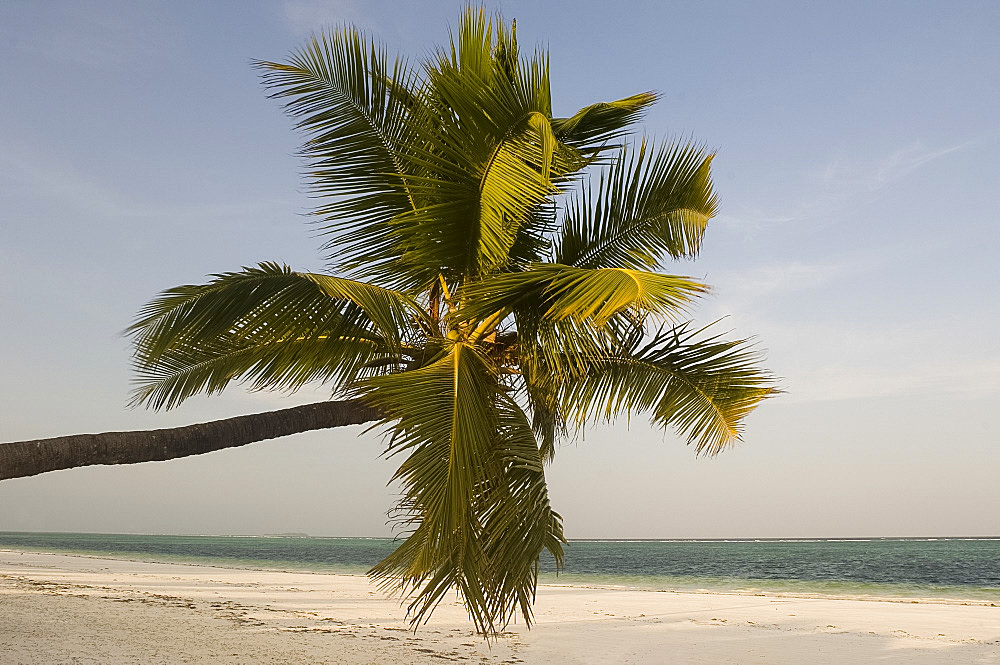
(58, 607)
(753, 592)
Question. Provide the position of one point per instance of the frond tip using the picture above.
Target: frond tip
(702, 387)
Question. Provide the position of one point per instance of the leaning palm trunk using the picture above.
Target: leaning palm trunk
(29, 458)
(485, 297)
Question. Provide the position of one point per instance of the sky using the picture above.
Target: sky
(858, 171)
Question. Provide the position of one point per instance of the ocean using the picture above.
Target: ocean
(960, 569)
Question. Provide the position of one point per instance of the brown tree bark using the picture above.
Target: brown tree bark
(28, 458)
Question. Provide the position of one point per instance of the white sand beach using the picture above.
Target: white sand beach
(57, 608)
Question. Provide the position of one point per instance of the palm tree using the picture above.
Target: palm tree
(495, 285)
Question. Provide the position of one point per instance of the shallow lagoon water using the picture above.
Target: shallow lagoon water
(950, 568)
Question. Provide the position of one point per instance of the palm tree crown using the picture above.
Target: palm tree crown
(495, 284)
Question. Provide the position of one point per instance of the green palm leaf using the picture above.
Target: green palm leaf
(279, 327)
(209, 367)
(541, 387)
(590, 129)
(561, 292)
(473, 486)
(479, 202)
(704, 388)
(649, 205)
(487, 158)
(353, 103)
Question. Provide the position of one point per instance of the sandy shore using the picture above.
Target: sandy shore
(58, 608)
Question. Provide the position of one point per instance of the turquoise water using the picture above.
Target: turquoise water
(955, 568)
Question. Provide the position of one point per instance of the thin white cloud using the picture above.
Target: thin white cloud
(776, 279)
(825, 353)
(748, 289)
(853, 176)
(843, 181)
(828, 360)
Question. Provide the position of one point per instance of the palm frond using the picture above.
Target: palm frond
(703, 387)
(208, 367)
(518, 518)
(353, 102)
(515, 183)
(474, 490)
(487, 157)
(542, 395)
(591, 128)
(478, 204)
(533, 243)
(268, 324)
(562, 292)
(649, 205)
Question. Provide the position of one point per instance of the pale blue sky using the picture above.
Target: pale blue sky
(859, 174)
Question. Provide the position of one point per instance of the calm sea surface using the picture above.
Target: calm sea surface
(957, 568)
